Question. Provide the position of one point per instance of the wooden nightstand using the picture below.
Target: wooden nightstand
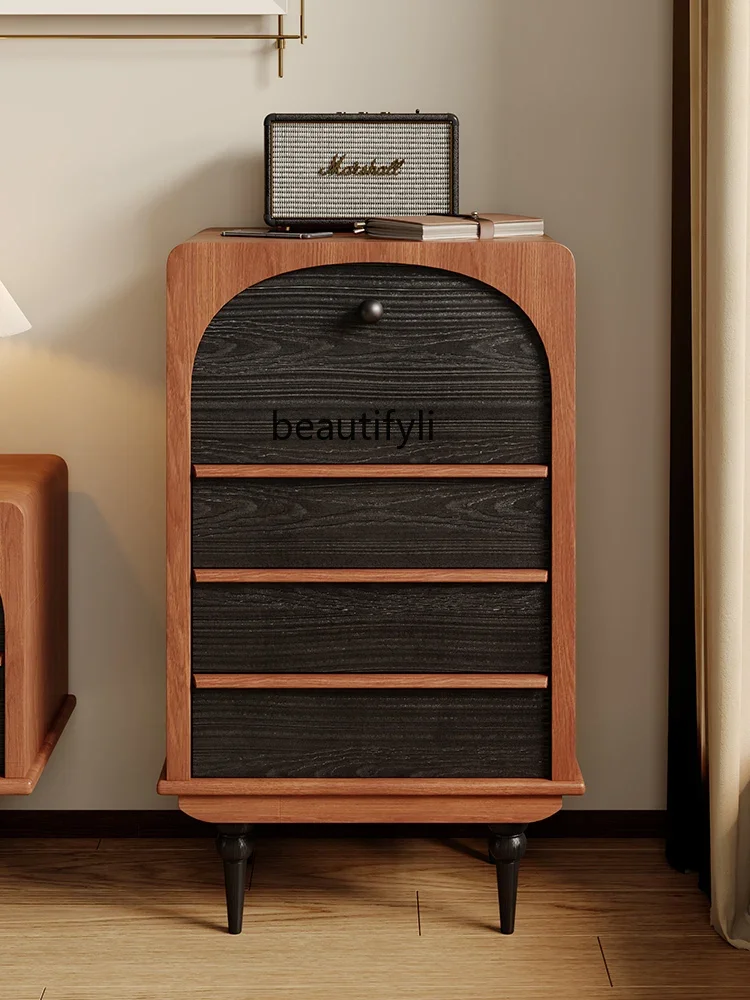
(33, 616)
(371, 537)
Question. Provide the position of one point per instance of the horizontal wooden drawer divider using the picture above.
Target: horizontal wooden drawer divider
(422, 788)
(370, 575)
(235, 681)
(370, 471)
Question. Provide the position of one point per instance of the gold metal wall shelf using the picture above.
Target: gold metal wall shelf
(280, 37)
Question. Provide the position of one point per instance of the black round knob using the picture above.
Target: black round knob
(371, 311)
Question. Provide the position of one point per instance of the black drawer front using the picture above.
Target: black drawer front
(2, 721)
(371, 628)
(373, 734)
(295, 345)
(318, 523)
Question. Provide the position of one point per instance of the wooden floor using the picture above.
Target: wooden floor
(356, 919)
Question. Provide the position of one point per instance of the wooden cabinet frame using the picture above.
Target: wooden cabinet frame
(34, 592)
(203, 275)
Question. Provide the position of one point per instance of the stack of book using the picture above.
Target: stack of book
(480, 225)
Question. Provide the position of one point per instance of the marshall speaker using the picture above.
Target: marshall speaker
(336, 170)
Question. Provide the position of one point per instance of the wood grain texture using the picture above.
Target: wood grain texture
(581, 878)
(34, 591)
(359, 808)
(27, 784)
(592, 869)
(391, 788)
(297, 681)
(2, 689)
(206, 273)
(711, 964)
(2, 721)
(294, 345)
(338, 918)
(354, 471)
(316, 523)
(545, 903)
(473, 576)
(20, 721)
(419, 628)
(370, 734)
(472, 991)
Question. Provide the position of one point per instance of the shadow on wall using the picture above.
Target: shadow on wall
(117, 642)
(99, 401)
(124, 331)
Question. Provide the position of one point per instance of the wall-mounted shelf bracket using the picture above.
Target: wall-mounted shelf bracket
(280, 37)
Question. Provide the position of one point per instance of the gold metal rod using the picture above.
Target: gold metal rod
(217, 38)
(280, 44)
(280, 38)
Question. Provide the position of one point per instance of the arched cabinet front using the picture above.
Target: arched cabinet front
(356, 422)
(448, 370)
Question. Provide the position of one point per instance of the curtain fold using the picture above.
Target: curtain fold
(687, 792)
(720, 189)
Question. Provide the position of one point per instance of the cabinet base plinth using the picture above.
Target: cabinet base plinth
(369, 808)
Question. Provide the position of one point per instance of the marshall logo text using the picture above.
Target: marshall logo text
(337, 168)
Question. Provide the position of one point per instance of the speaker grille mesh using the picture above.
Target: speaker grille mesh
(299, 150)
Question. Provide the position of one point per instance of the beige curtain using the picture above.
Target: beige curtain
(720, 99)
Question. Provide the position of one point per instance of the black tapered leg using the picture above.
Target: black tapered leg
(507, 847)
(235, 847)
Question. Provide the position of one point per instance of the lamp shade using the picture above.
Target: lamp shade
(12, 320)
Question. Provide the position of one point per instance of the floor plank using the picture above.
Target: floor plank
(176, 991)
(710, 963)
(329, 919)
(570, 913)
(461, 865)
(30, 877)
(50, 845)
(337, 959)
(150, 845)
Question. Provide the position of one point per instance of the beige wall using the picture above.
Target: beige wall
(110, 153)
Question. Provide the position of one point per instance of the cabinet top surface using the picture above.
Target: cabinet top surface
(29, 468)
(214, 236)
(26, 479)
